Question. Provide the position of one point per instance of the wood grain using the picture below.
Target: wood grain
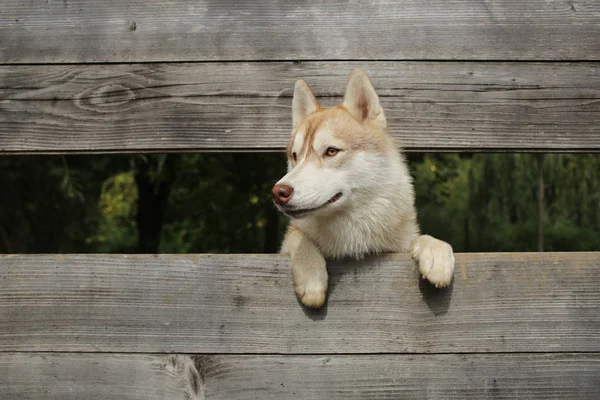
(190, 30)
(36, 376)
(471, 86)
(499, 302)
(431, 106)
(91, 376)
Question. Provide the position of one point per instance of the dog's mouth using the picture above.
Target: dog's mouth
(299, 212)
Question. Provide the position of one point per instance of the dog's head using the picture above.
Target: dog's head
(336, 154)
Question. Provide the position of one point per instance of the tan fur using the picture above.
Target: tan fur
(344, 127)
(359, 201)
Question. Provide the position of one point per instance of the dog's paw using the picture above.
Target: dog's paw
(435, 259)
(311, 295)
(311, 286)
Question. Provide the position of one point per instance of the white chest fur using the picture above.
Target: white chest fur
(373, 224)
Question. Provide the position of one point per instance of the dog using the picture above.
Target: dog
(348, 192)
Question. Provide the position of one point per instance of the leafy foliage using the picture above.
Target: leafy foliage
(222, 203)
(117, 207)
(487, 202)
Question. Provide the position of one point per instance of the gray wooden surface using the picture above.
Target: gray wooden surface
(431, 106)
(189, 30)
(25, 376)
(110, 76)
(500, 302)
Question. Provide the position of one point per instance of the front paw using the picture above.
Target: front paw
(435, 259)
(311, 286)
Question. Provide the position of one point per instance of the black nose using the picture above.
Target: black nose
(282, 194)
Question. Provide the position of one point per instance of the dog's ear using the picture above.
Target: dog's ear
(362, 101)
(304, 102)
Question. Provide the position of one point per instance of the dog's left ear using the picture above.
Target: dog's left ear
(362, 101)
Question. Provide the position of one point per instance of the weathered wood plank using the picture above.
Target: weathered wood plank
(191, 30)
(431, 106)
(113, 376)
(499, 302)
(90, 376)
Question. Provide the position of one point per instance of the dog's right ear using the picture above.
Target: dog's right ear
(304, 102)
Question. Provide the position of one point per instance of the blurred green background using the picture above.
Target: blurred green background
(221, 203)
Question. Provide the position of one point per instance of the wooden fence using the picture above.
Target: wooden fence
(151, 76)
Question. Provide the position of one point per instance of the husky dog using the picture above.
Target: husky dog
(348, 191)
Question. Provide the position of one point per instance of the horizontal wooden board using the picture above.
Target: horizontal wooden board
(499, 302)
(431, 106)
(191, 30)
(90, 376)
(153, 377)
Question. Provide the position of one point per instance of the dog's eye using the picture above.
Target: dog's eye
(331, 151)
(294, 156)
